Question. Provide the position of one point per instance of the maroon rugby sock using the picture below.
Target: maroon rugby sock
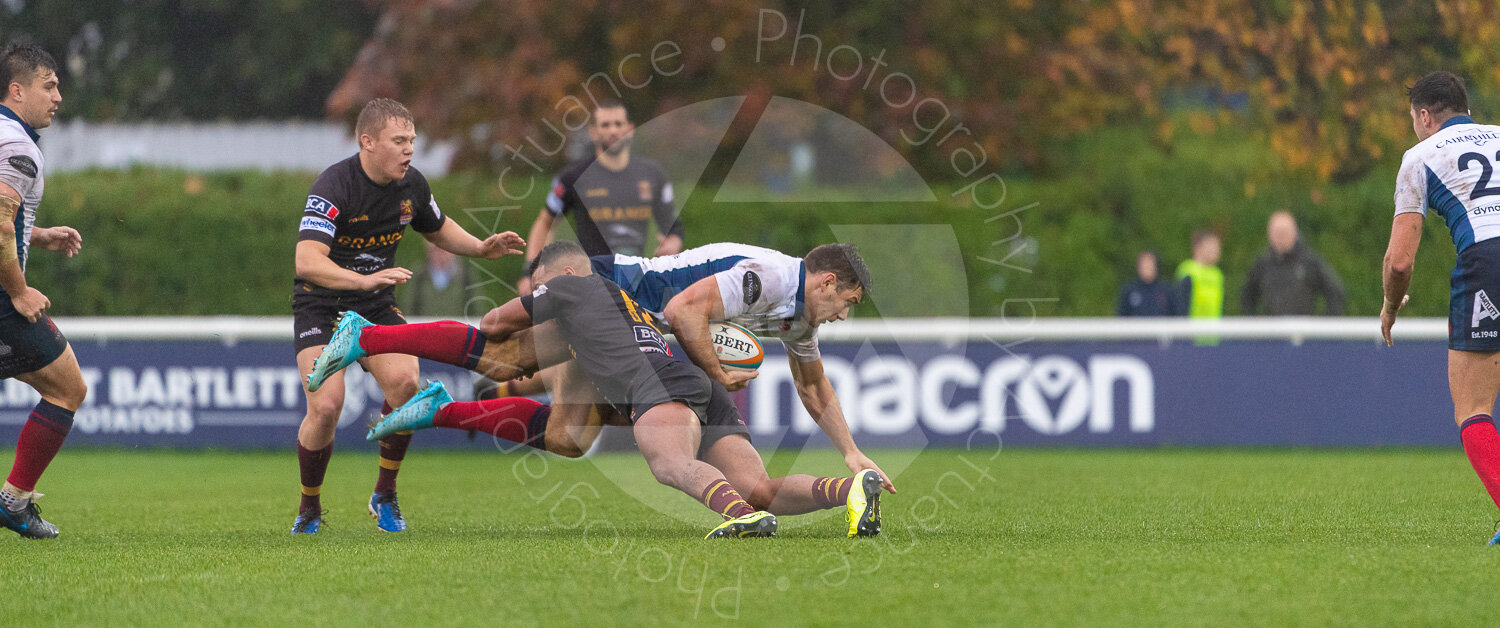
(449, 342)
(516, 419)
(41, 437)
(392, 451)
(1482, 444)
(314, 465)
(831, 492)
(721, 498)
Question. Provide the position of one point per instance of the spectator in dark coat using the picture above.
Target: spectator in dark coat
(1148, 295)
(1289, 277)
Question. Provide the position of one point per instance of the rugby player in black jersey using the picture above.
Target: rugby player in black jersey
(686, 425)
(611, 196)
(357, 212)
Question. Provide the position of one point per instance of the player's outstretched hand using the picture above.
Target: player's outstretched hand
(501, 244)
(1388, 317)
(736, 379)
(386, 278)
(31, 303)
(65, 240)
(858, 461)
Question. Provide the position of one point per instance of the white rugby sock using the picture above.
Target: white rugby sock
(12, 498)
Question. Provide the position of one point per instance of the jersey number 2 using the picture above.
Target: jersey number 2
(1481, 189)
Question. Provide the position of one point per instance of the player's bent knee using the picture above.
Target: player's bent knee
(666, 469)
(323, 410)
(76, 394)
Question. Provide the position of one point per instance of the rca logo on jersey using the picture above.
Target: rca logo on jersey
(406, 212)
(322, 207)
(1483, 309)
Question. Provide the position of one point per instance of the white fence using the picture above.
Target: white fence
(201, 147)
(233, 329)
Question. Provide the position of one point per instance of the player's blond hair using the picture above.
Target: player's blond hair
(376, 113)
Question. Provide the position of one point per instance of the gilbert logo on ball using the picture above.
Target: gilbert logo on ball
(736, 347)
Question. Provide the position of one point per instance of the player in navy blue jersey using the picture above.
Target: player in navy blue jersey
(356, 214)
(1449, 172)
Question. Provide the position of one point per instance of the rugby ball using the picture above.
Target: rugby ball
(735, 346)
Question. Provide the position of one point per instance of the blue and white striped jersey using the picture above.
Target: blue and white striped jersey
(21, 168)
(1453, 173)
(761, 289)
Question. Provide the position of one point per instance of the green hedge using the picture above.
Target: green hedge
(165, 242)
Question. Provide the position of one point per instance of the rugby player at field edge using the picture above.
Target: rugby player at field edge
(686, 426)
(1448, 171)
(356, 213)
(36, 352)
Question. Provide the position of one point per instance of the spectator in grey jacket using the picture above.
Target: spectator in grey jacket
(1288, 278)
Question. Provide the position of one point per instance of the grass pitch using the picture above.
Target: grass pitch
(1263, 537)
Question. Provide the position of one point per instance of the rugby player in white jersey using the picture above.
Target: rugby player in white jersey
(1451, 173)
(31, 348)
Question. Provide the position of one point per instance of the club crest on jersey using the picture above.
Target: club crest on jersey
(322, 207)
(1483, 308)
(645, 188)
(406, 212)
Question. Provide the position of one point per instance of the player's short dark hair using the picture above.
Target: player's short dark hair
(610, 103)
(376, 113)
(1201, 235)
(554, 252)
(844, 262)
(1438, 92)
(19, 63)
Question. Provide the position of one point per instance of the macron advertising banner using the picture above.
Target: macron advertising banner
(204, 393)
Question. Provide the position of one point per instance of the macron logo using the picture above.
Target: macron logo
(1483, 308)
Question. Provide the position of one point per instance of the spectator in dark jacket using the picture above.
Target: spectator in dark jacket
(1289, 276)
(1148, 295)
